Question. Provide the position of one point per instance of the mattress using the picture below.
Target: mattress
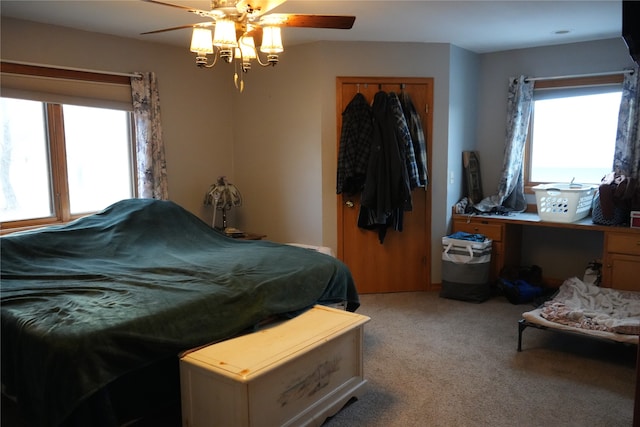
(590, 310)
(534, 316)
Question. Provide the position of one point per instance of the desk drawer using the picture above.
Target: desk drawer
(491, 231)
(623, 243)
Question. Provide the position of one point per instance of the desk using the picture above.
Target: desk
(621, 250)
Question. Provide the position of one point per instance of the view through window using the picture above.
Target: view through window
(573, 133)
(62, 158)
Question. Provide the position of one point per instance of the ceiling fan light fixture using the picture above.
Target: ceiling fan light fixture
(201, 41)
(201, 44)
(251, 19)
(224, 36)
(271, 40)
(246, 52)
(248, 47)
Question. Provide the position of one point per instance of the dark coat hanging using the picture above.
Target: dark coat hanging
(386, 191)
(355, 142)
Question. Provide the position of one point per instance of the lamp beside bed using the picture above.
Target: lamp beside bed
(222, 195)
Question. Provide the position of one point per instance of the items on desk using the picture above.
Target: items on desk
(618, 196)
(635, 219)
(465, 206)
(562, 202)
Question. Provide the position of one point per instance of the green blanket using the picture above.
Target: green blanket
(85, 303)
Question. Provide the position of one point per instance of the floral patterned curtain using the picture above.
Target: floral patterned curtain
(626, 159)
(151, 163)
(510, 194)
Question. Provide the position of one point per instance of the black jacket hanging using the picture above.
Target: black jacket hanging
(355, 143)
(386, 191)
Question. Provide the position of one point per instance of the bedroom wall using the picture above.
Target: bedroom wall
(195, 118)
(277, 141)
(288, 173)
(463, 108)
(561, 253)
(277, 150)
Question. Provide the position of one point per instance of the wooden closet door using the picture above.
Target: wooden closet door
(402, 262)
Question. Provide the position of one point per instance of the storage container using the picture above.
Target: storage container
(465, 267)
(562, 202)
(295, 373)
(634, 222)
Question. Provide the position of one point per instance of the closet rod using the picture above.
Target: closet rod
(83, 70)
(610, 73)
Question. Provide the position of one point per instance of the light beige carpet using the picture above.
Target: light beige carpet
(438, 362)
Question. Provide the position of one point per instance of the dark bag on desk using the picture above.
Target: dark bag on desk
(620, 215)
(617, 196)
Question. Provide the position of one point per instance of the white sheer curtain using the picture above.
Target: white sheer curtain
(151, 163)
(510, 195)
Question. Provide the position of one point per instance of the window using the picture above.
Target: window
(59, 161)
(573, 130)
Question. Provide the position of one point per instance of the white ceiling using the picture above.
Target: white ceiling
(478, 25)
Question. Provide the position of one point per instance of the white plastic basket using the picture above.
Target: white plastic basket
(559, 202)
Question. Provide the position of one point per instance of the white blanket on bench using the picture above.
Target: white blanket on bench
(587, 306)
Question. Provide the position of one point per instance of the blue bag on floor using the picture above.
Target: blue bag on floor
(519, 291)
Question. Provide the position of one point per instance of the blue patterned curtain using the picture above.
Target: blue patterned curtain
(151, 163)
(626, 159)
(510, 194)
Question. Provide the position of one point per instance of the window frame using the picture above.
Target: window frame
(54, 122)
(560, 83)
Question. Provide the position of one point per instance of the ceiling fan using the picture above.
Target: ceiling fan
(241, 25)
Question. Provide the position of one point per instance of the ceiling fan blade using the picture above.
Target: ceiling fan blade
(213, 14)
(312, 21)
(181, 27)
(189, 9)
(259, 7)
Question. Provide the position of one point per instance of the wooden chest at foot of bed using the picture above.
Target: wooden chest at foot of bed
(298, 372)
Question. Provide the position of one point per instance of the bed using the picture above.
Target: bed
(86, 305)
(588, 310)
